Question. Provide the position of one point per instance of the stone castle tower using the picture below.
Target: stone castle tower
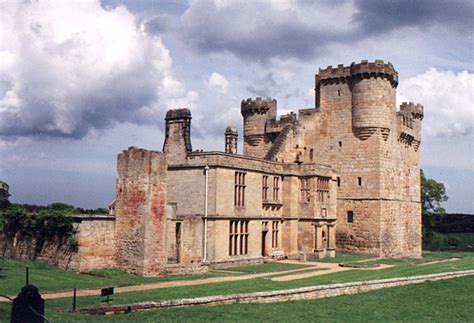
(343, 175)
(355, 127)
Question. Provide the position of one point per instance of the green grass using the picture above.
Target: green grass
(266, 267)
(365, 264)
(344, 257)
(440, 301)
(402, 267)
(50, 278)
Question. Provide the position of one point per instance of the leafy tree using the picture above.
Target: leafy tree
(4, 195)
(62, 208)
(433, 194)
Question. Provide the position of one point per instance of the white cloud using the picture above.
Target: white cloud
(218, 83)
(67, 68)
(448, 100)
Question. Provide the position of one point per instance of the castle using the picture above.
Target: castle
(343, 175)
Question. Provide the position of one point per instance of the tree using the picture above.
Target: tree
(433, 194)
(4, 195)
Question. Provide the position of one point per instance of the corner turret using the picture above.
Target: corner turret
(371, 89)
(256, 113)
(409, 124)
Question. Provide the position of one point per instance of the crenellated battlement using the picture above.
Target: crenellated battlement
(364, 69)
(415, 109)
(257, 106)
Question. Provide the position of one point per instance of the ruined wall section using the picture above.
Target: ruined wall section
(96, 240)
(93, 246)
(141, 212)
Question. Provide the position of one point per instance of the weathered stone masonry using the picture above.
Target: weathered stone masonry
(343, 175)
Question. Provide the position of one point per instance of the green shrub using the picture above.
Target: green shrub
(43, 226)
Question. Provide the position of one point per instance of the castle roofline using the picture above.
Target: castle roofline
(234, 161)
(257, 105)
(364, 69)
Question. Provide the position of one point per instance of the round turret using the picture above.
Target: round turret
(231, 139)
(258, 106)
(373, 97)
(256, 113)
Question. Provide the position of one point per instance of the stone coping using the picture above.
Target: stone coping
(93, 217)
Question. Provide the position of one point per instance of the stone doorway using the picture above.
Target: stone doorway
(264, 243)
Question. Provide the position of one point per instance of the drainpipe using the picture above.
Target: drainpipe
(206, 172)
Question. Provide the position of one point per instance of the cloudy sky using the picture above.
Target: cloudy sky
(82, 80)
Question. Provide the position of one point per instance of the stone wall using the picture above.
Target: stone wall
(96, 242)
(140, 230)
(61, 254)
(93, 247)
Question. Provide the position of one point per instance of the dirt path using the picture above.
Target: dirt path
(437, 261)
(159, 285)
(321, 268)
(324, 268)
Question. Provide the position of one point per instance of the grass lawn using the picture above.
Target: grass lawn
(345, 257)
(441, 301)
(265, 268)
(50, 278)
(402, 267)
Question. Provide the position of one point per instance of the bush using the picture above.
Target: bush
(453, 242)
(43, 226)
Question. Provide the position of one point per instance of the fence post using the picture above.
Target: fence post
(74, 300)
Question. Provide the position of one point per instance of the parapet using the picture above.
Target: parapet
(258, 105)
(364, 69)
(415, 109)
(178, 114)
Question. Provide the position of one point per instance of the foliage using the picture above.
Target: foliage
(451, 241)
(40, 227)
(455, 223)
(433, 194)
(4, 195)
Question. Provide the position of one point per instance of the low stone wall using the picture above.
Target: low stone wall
(93, 249)
(236, 262)
(57, 253)
(313, 292)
